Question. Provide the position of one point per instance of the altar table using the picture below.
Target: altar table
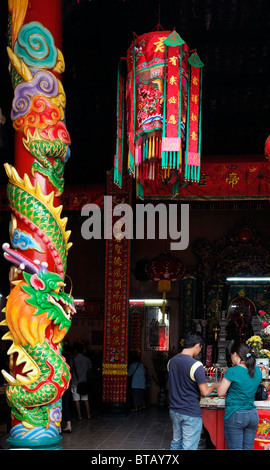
(213, 417)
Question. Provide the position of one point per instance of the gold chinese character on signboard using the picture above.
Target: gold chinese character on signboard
(194, 98)
(117, 294)
(172, 80)
(172, 119)
(194, 136)
(116, 318)
(116, 341)
(117, 261)
(117, 283)
(203, 177)
(232, 179)
(115, 329)
(195, 81)
(117, 272)
(173, 60)
(118, 225)
(116, 306)
(118, 249)
(194, 117)
(159, 45)
(172, 100)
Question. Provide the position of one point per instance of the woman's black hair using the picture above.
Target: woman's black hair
(245, 354)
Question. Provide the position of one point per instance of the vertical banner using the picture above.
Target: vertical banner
(116, 299)
(171, 138)
(120, 109)
(131, 98)
(193, 144)
(136, 316)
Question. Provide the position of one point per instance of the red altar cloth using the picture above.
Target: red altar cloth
(262, 438)
(213, 422)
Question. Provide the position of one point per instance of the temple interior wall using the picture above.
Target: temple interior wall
(86, 267)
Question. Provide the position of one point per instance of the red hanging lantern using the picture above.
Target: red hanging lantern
(163, 91)
(267, 148)
(164, 269)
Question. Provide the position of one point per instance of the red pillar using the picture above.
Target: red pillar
(49, 14)
(34, 189)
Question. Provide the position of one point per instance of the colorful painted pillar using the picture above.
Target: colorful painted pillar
(114, 367)
(38, 311)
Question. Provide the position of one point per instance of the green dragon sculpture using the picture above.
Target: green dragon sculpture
(38, 315)
(38, 311)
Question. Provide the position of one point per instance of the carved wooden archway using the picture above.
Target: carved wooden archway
(243, 251)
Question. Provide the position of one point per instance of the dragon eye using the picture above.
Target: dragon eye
(59, 289)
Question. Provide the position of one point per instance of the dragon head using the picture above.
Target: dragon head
(37, 311)
(46, 291)
(38, 302)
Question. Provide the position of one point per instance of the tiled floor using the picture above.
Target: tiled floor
(149, 429)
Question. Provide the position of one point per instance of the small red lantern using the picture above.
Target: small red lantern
(164, 269)
(267, 148)
(245, 234)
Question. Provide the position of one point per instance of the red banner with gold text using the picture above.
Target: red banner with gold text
(116, 299)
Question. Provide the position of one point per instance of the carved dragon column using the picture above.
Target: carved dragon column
(38, 311)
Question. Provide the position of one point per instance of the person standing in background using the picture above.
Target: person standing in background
(137, 371)
(80, 364)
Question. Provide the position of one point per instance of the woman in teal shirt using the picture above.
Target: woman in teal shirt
(240, 384)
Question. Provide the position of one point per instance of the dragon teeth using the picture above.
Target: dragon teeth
(23, 379)
(19, 379)
(8, 377)
(28, 368)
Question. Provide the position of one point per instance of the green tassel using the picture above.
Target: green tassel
(163, 159)
(131, 162)
(175, 188)
(199, 174)
(140, 190)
